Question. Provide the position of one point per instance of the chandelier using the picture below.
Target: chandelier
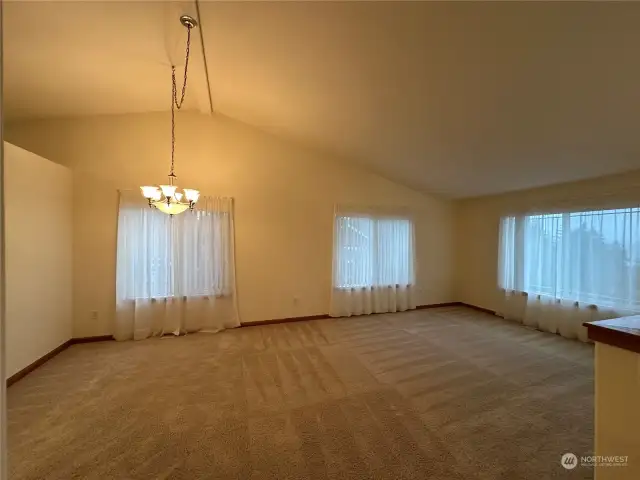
(167, 198)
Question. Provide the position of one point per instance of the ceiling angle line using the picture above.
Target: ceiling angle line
(204, 56)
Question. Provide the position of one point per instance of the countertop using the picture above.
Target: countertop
(621, 332)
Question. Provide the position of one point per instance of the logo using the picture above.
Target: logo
(569, 461)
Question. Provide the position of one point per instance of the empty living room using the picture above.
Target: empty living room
(266, 240)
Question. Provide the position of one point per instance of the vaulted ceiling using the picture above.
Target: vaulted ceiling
(460, 99)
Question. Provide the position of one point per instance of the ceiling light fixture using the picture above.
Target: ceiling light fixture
(166, 198)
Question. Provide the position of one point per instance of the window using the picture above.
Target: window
(161, 256)
(591, 257)
(372, 251)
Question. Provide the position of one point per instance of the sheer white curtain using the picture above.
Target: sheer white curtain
(174, 274)
(373, 263)
(560, 270)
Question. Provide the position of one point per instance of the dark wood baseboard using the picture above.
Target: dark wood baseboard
(326, 315)
(99, 338)
(480, 309)
(45, 358)
(284, 320)
(458, 304)
(438, 305)
(42, 360)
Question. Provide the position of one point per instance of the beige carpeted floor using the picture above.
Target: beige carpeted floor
(440, 394)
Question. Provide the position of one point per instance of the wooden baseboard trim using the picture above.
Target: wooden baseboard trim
(326, 315)
(42, 360)
(438, 305)
(480, 309)
(284, 320)
(99, 338)
(45, 358)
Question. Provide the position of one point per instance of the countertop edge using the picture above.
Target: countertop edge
(613, 336)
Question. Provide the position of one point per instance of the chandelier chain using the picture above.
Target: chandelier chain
(174, 98)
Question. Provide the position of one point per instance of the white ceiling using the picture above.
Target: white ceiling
(460, 99)
(87, 57)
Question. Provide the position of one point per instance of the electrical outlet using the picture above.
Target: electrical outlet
(94, 315)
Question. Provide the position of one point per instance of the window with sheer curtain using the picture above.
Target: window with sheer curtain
(591, 257)
(373, 252)
(161, 256)
(174, 274)
(373, 264)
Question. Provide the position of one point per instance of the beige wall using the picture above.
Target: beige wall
(284, 196)
(477, 223)
(617, 418)
(38, 229)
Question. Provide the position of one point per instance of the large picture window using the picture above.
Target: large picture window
(161, 256)
(591, 257)
(174, 274)
(373, 264)
(373, 252)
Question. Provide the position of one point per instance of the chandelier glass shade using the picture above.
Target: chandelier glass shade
(167, 198)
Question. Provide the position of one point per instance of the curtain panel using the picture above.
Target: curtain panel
(174, 274)
(373, 261)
